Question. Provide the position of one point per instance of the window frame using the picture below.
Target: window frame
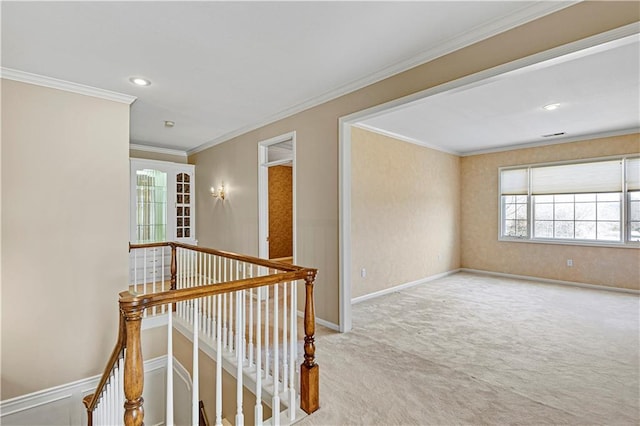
(625, 206)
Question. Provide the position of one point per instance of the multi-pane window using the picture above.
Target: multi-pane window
(595, 201)
(634, 215)
(578, 216)
(515, 212)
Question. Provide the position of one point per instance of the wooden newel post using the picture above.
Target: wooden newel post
(174, 266)
(174, 271)
(133, 370)
(309, 370)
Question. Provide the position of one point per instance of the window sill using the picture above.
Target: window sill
(629, 245)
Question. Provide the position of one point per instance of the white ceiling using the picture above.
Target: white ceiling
(219, 69)
(597, 89)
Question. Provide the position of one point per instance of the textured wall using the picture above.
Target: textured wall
(280, 212)
(405, 202)
(617, 267)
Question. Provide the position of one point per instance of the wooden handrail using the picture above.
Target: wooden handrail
(243, 258)
(229, 255)
(148, 245)
(91, 401)
(129, 301)
(133, 305)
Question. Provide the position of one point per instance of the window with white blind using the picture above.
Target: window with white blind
(595, 201)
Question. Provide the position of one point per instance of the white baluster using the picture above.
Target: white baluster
(114, 394)
(121, 398)
(201, 283)
(112, 397)
(292, 353)
(266, 332)
(285, 359)
(195, 399)
(224, 305)
(108, 401)
(231, 314)
(116, 387)
(135, 271)
(239, 358)
(258, 408)
(210, 299)
(180, 278)
(169, 404)
(275, 402)
(219, 363)
(144, 270)
(155, 277)
(243, 330)
(99, 409)
(162, 285)
(215, 298)
(251, 324)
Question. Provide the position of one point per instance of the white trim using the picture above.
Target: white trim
(54, 83)
(147, 148)
(482, 77)
(551, 281)
(182, 373)
(324, 323)
(475, 35)
(74, 391)
(552, 142)
(401, 287)
(402, 138)
(278, 163)
(344, 224)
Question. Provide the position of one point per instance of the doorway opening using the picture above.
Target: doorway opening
(277, 198)
(463, 86)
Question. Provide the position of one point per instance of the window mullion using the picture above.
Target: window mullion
(530, 209)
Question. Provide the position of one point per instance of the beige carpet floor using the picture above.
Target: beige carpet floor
(469, 349)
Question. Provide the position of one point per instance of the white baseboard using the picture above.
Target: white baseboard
(322, 322)
(551, 281)
(400, 287)
(61, 405)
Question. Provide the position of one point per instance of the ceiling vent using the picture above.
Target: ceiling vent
(552, 135)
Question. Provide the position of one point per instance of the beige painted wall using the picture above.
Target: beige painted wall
(617, 267)
(147, 155)
(235, 161)
(65, 201)
(405, 204)
(183, 352)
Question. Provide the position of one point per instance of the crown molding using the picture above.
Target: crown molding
(148, 148)
(68, 86)
(402, 138)
(559, 141)
(475, 35)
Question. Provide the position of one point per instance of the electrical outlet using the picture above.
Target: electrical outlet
(363, 273)
(569, 262)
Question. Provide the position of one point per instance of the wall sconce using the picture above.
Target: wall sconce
(218, 193)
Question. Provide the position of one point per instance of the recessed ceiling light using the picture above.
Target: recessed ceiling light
(169, 123)
(139, 81)
(551, 107)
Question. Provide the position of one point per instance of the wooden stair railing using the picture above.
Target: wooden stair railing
(132, 307)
